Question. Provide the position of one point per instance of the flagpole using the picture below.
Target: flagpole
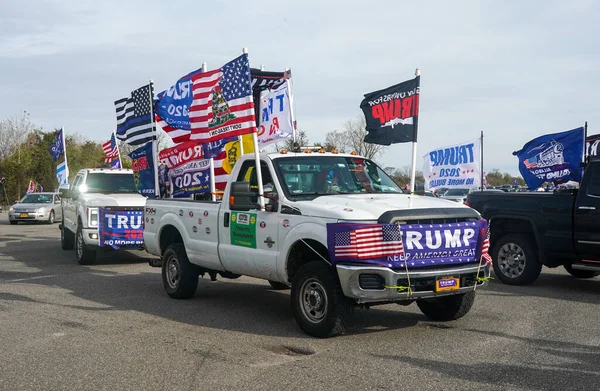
(292, 116)
(414, 145)
(585, 149)
(118, 149)
(481, 156)
(64, 141)
(261, 200)
(154, 142)
(211, 166)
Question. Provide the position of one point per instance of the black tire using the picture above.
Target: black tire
(445, 308)
(515, 259)
(581, 273)
(13, 222)
(83, 255)
(318, 304)
(50, 218)
(179, 276)
(278, 286)
(67, 239)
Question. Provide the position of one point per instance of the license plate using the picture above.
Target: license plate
(447, 284)
(23, 215)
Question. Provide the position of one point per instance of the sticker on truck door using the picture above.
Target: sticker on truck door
(243, 229)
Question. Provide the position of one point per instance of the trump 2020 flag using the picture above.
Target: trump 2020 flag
(172, 108)
(275, 116)
(62, 174)
(392, 114)
(223, 104)
(57, 147)
(552, 158)
(455, 166)
(142, 163)
(135, 123)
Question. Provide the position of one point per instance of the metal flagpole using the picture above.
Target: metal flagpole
(154, 143)
(414, 147)
(481, 156)
(585, 149)
(291, 96)
(118, 149)
(211, 169)
(261, 199)
(64, 141)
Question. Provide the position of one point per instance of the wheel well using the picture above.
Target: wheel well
(169, 235)
(501, 227)
(302, 252)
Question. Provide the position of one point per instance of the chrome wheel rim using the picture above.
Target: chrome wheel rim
(313, 300)
(79, 245)
(173, 272)
(511, 260)
(51, 217)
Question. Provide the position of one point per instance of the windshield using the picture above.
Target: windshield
(99, 182)
(456, 192)
(37, 199)
(324, 175)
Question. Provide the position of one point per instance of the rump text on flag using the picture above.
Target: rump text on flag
(111, 149)
(222, 105)
(275, 116)
(455, 166)
(135, 124)
(172, 108)
(552, 158)
(392, 114)
(57, 147)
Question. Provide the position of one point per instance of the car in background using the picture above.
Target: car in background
(43, 207)
(458, 195)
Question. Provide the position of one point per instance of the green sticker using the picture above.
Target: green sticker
(243, 229)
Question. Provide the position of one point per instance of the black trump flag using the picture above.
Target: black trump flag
(392, 114)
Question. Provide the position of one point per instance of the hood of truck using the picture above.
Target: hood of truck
(354, 207)
(114, 199)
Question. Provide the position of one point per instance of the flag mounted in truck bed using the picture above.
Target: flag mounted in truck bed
(392, 114)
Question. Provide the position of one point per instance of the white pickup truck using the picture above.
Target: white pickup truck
(288, 243)
(93, 188)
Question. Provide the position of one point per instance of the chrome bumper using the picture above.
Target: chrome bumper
(422, 282)
(31, 216)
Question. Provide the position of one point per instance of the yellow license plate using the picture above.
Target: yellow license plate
(447, 284)
(23, 215)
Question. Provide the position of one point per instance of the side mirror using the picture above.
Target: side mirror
(64, 192)
(240, 196)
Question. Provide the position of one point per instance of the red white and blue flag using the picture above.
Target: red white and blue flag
(223, 104)
(111, 149)
(485, 247)
(368, 242)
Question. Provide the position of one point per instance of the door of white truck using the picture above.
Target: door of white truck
(248, 240)
(69, 204)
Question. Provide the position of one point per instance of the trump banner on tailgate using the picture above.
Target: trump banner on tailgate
(392, 114)
(454, 166)
(552, 158)
(120, 228)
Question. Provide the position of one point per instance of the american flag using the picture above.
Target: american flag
(222, 105)
(135, 123)
(370, 242)
(111, 149)
(485, 247)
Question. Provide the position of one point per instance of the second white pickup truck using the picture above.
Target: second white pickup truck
(335, 228)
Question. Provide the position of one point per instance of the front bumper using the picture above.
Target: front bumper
(90, 236)
(380, 284)
(29, 216)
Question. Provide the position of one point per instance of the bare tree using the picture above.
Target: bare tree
(13, 133)
(162, 139)
(352, 138)
(301, 139)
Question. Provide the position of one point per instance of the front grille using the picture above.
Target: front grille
(371, 282)
(449, 220)
(429, 216)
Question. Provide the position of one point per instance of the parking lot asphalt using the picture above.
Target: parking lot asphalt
(111, 326)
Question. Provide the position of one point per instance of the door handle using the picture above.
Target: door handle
(587, 207)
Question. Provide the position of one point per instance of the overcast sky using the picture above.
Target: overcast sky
(514, 69)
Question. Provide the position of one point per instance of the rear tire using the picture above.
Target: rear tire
(278, 286)
(445, 308)
(581, 273)
(515, 260)
(67, 239)
(83, 255)
(318, 304)
(180, 277)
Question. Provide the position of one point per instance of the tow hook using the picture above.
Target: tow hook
(155, 262)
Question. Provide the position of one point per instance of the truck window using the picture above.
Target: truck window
(248, 174)
(594, 186)
(99, 182)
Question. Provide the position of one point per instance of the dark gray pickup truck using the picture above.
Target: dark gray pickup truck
(529, 230)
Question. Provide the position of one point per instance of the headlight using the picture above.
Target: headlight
(41, 210)
(11, 209)
(92, 214)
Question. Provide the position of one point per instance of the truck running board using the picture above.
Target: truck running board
(580, 266)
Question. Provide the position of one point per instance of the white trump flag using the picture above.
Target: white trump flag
(455, 166)
(275, 116)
